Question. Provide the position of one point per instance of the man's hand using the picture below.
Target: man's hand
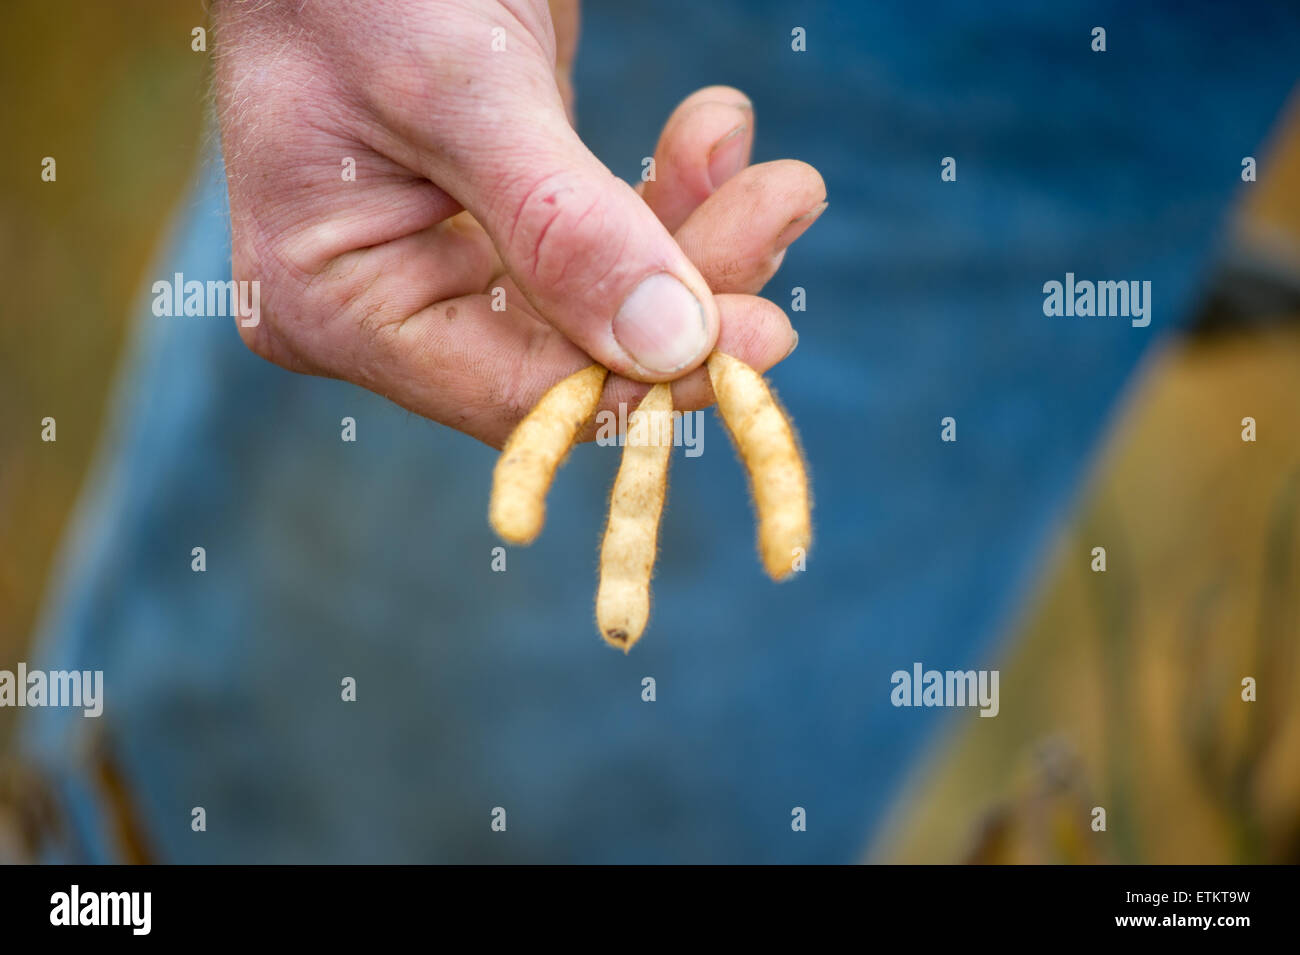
(471, 191)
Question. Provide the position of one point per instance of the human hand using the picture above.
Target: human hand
(473, 191)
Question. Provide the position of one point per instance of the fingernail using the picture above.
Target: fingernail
(799, 226)
(729, 155)
(793, 345)
(661, 325)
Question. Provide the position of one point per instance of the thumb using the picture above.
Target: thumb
(583, 248)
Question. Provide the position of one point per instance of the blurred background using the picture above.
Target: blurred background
(1119, 689)
(111, 92)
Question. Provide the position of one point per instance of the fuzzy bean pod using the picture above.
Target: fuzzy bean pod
(627, 553)
(534, 451)
(778, 478)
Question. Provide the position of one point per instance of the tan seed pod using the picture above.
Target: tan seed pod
(535, 449)
(627, 553)
(777, 477)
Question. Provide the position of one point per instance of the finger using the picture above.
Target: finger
(464, 364)
(387, 283)
(313, 324)
(480, 371)
(754, 330)
(705, 142)
(584, 249)
(740, 235)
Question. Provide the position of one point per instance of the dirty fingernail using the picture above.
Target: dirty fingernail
(799, 226)
(729, 155)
